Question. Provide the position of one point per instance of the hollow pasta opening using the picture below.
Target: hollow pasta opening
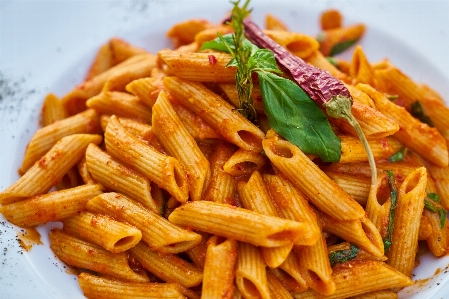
(250, 138)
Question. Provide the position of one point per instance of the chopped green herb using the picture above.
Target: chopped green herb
(398, 156)
(417, 111)
(341, 47)
(434, 197)
(393, 197)
(435, 209)
(341, 256)
(392, 97)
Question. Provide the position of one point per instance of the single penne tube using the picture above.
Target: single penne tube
(358, 277)
(50, 169)
(360, 69)
(254, 196)
(298, 44)
(233, 126)
(168, 267)
(122, 50)
(136, 67)
(202, 67)
(96, 287)
(219, 268)
(146, 89)
(52, 110)
(359, 97)
(322, 191)
(409, 209)
(417, 136)
(103, 61)
(119, 177)
(176, 139)
(374, 124)
(355, 185)
(274, 23)
(379, 214)
(362, 233)
(121, 104)
(164, 170)
(160, 234)
(352, 150)
(250, 273)
(62, 204)
(277, 289)
(87, 122)
(238, 223)
(86, 255)
(221, 186)
(315, 266)
(110, 234)
(184, 32)
(244, 162)
(332, 37)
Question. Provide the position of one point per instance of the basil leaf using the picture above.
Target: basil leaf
(418, 112)
(264, 60)
(341, 256)
(294, 116)
(398, 156)
(220, 45)
(341, 47)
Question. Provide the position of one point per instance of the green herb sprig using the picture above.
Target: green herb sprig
(290, 111)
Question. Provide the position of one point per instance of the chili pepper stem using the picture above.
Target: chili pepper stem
(340, 107)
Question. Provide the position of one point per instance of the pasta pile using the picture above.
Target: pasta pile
(166, 191)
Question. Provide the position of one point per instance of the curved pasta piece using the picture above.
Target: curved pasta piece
(298, 44)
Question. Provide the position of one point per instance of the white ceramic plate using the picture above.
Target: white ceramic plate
(47, 46)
